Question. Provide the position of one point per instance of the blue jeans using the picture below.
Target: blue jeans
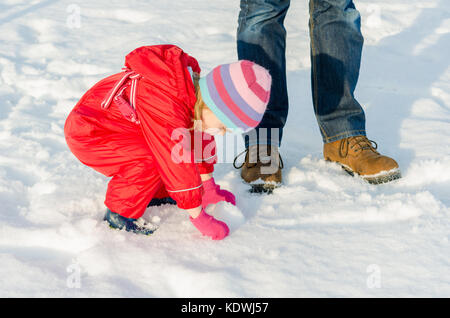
(336, 46)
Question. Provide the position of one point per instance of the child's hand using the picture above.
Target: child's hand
(209, 226)
(214, 194)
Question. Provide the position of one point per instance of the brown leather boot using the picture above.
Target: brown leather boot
(358, 155)
(261, 168)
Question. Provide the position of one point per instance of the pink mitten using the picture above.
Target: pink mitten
(214, 194)
(209, 226)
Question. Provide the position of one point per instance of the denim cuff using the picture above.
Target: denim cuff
(272, 136)
(346, 134)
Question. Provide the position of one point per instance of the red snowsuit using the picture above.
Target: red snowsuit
(137, 153)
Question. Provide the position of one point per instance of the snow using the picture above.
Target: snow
(322, 234)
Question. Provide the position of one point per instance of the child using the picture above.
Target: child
(126, 125)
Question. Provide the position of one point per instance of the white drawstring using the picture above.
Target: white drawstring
(134, 81)
(118, 90)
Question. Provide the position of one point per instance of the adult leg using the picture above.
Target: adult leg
(261, 38)
(336, 46)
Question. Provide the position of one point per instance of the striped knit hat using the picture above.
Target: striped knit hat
(237, 93)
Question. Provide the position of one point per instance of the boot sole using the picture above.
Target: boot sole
(261, 188)
(386, 177)
(149, 233)
(266, 188)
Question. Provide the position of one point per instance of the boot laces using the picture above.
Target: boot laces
(358, 143)
(251, 165)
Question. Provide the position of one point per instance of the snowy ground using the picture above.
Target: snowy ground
(322, 234)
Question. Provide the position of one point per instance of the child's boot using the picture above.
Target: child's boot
(116, 221)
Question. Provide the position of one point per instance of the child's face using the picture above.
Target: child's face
(211, 124)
